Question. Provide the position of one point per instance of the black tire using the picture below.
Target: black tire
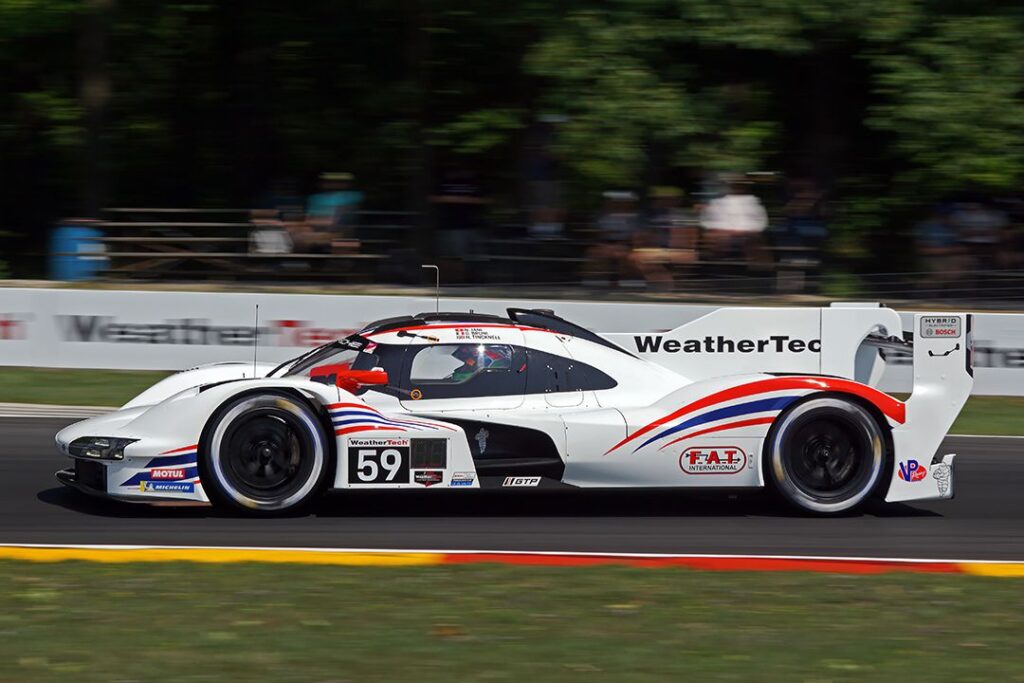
(826, 455)
(264, 453)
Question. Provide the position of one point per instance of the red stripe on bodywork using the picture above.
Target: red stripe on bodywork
(395, 419)
(711, 563)
(522, 328)
(349, 430)
(887, 404)
(352, 405)
(731, 425)
(182, 449)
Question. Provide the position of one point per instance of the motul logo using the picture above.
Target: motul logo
(167, 474)
(717, 460)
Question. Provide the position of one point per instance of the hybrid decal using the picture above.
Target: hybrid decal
(943, 326)
(656, 343)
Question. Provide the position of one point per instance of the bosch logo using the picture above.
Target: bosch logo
(912, 470)
(717, 460)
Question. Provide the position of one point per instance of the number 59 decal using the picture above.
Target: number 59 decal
(378, 465)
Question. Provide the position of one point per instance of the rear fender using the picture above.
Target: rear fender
(943, 379)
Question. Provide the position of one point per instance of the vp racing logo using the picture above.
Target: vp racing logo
(777, 343)
(193, 331)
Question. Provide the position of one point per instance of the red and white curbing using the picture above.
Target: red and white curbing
(409, 558)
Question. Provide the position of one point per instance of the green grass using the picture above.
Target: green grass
(184, 622)
(1000, 415)
(73, 387)
(997, 415)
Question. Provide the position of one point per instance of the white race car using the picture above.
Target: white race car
(740, 398)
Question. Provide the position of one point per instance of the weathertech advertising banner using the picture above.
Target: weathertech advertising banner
(176, 330)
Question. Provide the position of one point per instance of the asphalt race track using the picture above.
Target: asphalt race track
(985, 521)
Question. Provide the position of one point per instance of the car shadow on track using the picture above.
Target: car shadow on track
(493, 503)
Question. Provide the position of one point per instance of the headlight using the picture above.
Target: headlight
(99, 447)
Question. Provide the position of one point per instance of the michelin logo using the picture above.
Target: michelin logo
(172, 486)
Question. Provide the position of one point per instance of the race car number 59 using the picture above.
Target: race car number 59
(378, 465)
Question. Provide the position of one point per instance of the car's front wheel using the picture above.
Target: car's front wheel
(826, 455)
(264, 453)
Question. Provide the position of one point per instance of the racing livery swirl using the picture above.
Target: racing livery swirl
(743, 397)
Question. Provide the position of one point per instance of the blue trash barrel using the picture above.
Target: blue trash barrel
(75, 254)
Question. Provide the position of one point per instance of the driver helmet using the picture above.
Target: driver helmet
(484, 357)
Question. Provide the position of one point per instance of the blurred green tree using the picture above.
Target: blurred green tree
(890, 103)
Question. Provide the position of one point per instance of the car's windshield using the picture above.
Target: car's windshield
(301, 364)
(326, 366)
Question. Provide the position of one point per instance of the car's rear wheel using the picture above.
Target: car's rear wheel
(826, 455)
(264, 453)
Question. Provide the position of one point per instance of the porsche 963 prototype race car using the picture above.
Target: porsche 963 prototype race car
(742, 397)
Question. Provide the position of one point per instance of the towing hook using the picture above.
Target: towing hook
(933, 354)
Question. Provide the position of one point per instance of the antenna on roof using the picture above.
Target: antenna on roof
(437, 286)
(255, 340)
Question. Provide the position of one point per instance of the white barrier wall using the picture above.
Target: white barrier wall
(176, 330)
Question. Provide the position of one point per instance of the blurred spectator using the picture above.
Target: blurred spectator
(458, 204)
(336, 204)
(668, 238)
(544, 190)
(268, 234)
(616, 227)
(331, 217)
(805, 214)
(546, 222)
(941, 251)
(981, 229)
(733, 223)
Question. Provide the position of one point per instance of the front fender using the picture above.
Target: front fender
(195, 377)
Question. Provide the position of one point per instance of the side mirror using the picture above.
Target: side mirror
(352, 380)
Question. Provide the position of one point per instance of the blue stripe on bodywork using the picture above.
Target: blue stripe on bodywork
(386, 420)
(173, 460)
(387, 423)
(379, 416)
(760, 406)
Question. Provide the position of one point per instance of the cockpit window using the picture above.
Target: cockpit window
(459, 363)
(466, 371)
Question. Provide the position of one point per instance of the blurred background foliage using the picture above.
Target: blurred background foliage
(889, 104)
